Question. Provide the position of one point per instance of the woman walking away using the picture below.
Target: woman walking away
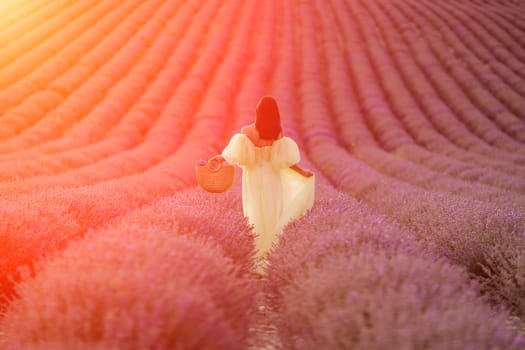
(275, 190)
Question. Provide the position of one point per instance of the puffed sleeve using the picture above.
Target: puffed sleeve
(239, 151)
(285, 153)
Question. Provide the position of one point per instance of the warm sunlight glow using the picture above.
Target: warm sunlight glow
(370, 192)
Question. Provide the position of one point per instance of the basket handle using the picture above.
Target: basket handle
(214, 164)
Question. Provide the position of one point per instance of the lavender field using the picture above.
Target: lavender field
(411, 113)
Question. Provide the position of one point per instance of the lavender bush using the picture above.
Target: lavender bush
(375, 301)
(337, 223)
(133, 289)
(504, 266)
(194, 212)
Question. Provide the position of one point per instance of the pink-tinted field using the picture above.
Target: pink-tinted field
(410, 112)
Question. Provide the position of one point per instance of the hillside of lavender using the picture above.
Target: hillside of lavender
(411, 114)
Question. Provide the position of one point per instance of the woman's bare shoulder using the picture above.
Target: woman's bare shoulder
(252, 134)
(285, 139)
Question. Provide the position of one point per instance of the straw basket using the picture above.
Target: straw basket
(215, 175)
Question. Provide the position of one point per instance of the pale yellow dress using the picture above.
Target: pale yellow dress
(272, 193)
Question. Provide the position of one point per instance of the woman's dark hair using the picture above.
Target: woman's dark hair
(267, 118)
